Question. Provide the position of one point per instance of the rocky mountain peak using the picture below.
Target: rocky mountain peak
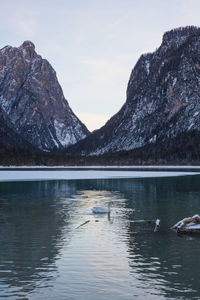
(176, 37)
(163, 99)
(28, 45)
(28, 49)
(32, 101)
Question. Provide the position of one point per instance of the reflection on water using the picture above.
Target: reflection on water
(44, 254)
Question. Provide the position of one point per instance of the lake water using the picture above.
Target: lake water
(44, 254)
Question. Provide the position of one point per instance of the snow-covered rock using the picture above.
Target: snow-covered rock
(32, 102)
(163, 99)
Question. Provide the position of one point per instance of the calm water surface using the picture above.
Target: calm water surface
(44, 254)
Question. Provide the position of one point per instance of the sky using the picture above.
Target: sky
(93, 45)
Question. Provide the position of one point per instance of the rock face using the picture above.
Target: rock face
(9, 137)
(32, 103)
(163, 98)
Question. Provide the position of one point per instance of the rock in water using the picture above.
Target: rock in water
(32, 102)
(163, 99)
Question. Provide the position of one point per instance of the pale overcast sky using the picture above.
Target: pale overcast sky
(93, 44)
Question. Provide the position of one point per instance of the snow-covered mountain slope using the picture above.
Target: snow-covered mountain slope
(32, 101)
(163, 99)
(9, 137)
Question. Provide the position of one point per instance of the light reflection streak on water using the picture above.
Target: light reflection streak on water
(118, 256)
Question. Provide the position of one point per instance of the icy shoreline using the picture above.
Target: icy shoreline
(38, 175)
(153, 167)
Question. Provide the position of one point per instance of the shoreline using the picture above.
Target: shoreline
(163, 168)
(77, 174)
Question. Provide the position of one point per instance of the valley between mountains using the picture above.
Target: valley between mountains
(158, 123)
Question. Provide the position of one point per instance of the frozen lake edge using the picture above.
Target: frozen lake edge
(40, 174)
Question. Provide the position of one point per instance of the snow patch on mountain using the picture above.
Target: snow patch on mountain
(32, 100)
(162, 98)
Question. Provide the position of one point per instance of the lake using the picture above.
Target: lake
(45, 253)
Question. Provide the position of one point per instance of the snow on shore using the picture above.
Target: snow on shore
(33, 175)
(104, 167)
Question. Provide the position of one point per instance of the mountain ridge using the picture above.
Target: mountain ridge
(162, 98)
(159, 121)
(32, 101)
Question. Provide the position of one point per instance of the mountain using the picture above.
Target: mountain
(163, 101)
(10, 138)
(32, 104)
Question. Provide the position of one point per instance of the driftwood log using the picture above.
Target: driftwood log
(83, 224)
(181, 224)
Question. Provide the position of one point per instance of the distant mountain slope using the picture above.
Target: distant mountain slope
(163, 99)
(32, 101)
(9, 137)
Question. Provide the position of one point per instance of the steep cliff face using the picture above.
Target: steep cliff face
(163, 98)
(9, 137)
(32, 101)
